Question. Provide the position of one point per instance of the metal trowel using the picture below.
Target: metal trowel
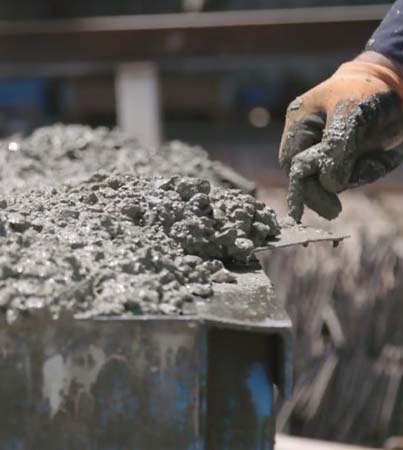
(296, 234)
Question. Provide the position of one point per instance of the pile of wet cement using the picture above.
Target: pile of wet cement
(120, 244)
(60, 154)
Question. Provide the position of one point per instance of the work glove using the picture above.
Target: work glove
(342, 134)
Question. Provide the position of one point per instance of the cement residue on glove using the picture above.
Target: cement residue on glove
(70, 154)
(341, 134)
(122, 245)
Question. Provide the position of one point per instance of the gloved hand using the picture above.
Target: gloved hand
(336, 135)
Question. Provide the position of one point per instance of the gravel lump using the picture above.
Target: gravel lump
(124, 245)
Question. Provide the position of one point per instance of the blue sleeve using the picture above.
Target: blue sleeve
(388, 37)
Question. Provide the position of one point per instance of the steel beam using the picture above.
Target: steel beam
(156, 37)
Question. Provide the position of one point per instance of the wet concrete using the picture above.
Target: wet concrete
(60, 154)
(122, 245)
(138, 251)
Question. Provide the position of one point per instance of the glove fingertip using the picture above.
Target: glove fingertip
(324, 203)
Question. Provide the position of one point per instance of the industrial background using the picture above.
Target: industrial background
(219, 74)
(228, 95)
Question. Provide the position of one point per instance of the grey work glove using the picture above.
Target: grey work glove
(342, 134)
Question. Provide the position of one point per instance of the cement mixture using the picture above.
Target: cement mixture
(60, 154)
(123, 245)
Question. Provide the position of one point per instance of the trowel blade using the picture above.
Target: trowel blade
(301, 235)
(292, 235)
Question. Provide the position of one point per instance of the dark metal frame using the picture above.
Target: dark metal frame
(157, 37)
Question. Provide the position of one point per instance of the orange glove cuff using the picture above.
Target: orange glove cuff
(371, 70)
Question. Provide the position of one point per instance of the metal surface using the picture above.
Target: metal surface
(251, 305)
(238, 365)
(149, 383)
(101, 385)
(301, 235)
(156, 37)
(291, 236)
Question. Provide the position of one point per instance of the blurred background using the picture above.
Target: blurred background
(225, 95)
(220, 74)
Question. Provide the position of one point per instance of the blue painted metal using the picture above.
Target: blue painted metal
(260, 389)
(196, 382)
(240, 397)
